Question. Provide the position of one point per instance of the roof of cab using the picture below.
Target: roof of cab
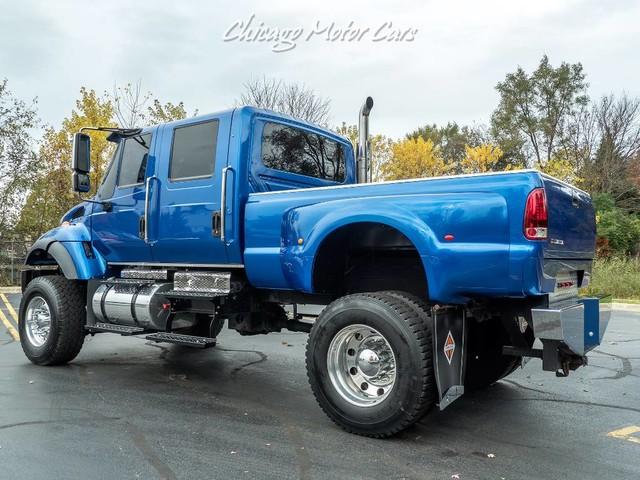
(252, 111)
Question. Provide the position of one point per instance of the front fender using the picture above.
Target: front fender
(70, 248)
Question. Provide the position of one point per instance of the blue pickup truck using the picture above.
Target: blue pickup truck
(429, 287)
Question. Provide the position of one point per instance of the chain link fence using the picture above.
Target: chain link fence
(12, 255)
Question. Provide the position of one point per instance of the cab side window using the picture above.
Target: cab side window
(133, 164)
(193, 153)
(300, 151)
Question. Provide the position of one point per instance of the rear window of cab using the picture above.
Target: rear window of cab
(299, 151)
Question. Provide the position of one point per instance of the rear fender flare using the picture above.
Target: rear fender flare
(321, 220)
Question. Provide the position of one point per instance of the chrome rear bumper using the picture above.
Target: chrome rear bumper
(579, 324)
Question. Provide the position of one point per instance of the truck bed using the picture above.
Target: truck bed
(487, 254)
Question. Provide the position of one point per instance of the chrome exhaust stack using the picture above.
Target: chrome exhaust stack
(363, 154)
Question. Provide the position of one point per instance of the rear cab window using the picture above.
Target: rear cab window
(302, 152)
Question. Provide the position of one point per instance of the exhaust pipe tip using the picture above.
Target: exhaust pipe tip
(363, 155)
(366, 108)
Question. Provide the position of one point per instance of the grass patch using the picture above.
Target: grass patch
(619, 277)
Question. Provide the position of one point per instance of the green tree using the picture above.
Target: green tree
(619, 230)
(51, 194)
(611, 167)
(536, 109)
(380, 148)
(451, 140)
(17, 158)
(158, 112)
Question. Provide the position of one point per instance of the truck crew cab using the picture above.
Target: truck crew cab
(431, 286)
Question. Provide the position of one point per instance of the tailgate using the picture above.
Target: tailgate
(572, 222)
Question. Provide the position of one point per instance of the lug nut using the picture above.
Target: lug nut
(364, 385)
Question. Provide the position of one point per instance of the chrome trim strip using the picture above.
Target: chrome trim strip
(411, 180)
(146, 207)
(562, 182)
(223, 203)
(160, 264)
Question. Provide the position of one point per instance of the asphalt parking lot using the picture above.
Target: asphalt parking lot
(126, 408)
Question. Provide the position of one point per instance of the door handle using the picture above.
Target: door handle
(147, 195)
(215, 223)
(141, 227)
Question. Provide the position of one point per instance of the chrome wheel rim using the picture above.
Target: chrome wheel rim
(37, 321)
(361, 365)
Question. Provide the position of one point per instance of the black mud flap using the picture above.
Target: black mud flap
(449, 345)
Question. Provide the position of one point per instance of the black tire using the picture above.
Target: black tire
(485, 362)
(404, 323)
(66, 303)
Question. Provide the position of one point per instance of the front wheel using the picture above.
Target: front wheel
(369, 362)
(51, 320)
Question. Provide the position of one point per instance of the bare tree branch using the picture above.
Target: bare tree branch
(129, 104)
(293, 99)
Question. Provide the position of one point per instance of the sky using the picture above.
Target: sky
(422, 62)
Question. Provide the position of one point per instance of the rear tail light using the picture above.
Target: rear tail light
(535, 215)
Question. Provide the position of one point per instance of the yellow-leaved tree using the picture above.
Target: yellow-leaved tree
(480, 159)
(380, 148)
(51, 194)
(563, 169)
(414, 158)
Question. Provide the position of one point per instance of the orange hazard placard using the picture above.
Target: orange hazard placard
(449, 347)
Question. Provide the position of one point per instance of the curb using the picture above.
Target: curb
(627, 307)
(9, 289)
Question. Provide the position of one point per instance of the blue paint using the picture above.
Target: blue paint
(269, 210)
(591, 322)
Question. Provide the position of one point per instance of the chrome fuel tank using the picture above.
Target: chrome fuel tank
(132, 304)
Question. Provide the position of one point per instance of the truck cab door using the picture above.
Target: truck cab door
(117, 223)
(185, 220)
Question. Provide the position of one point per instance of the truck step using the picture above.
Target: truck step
(186, 340)
(127, 281)
(145, 274)
(191, 294)
(214, 283)
(113, 328)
